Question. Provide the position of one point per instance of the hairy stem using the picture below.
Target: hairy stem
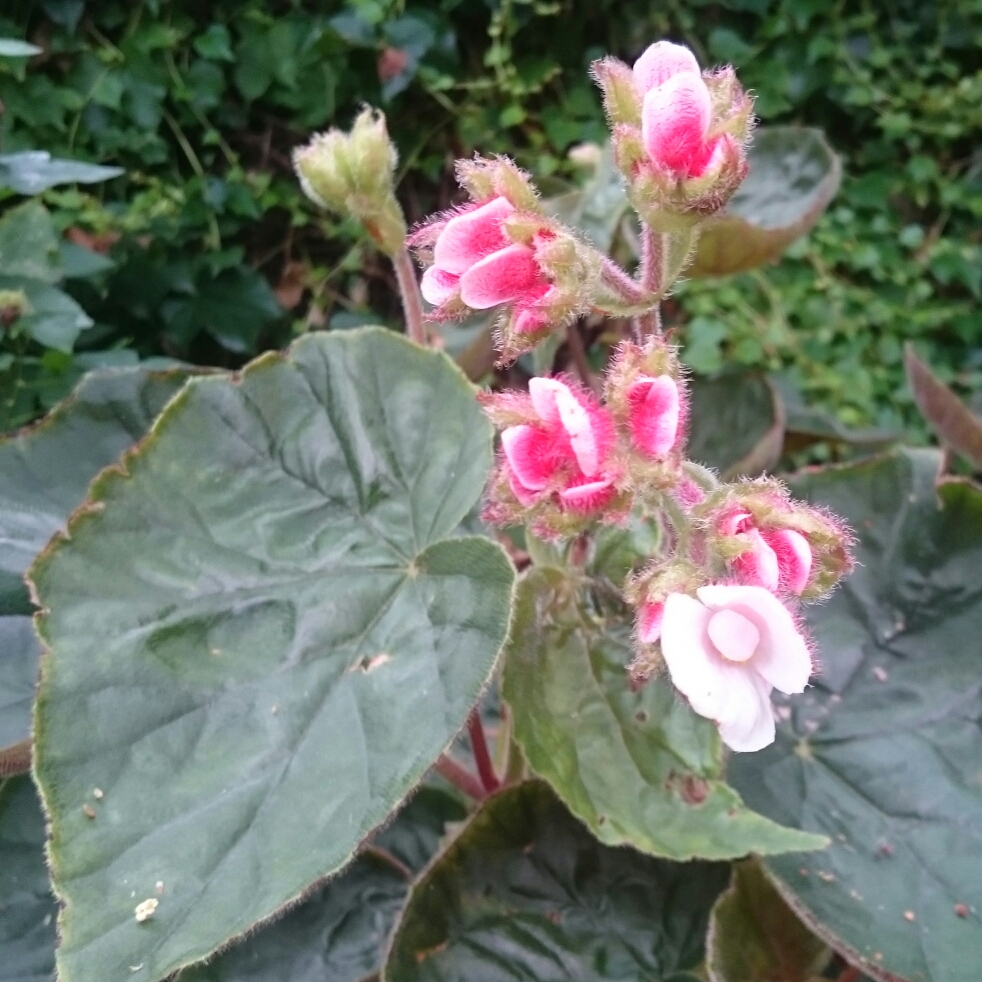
(460, 777)
(482, 756)
(621, 283)
(652, 260)
(412, 300)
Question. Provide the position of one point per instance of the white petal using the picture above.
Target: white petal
(692, 662)
(578, 426)
(782, 657)
(747, 723)
(543, 392)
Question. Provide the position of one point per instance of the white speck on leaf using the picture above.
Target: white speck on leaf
(146, 910)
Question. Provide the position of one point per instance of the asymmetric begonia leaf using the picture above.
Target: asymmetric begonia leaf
(525, 892)
(260, 635)
(736, 424)
(883, 755)
(793, 176)
(639, 768)
(27, 907)
(339, 933)
(44, 474)
(755, 937)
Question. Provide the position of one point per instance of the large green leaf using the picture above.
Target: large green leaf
(525, 892)
(736, 424)
(339, 933)
(638, 767)
(34, 171)
(793, 176)
(755, 937)
(884, 755)
(27, 908)
(259, 638)
(44, 474)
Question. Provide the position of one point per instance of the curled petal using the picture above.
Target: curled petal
(747, 721)
(735, 636)
(587, 497)
(526, 496)
(529, 317)
(502, 277)
(469, 237)
(531, 455)
(650, 619)
(577, 421)
(660, 61)
(696, 669)
(675, 120)
(438, 286)
(782, 656)
(759, 565)
(654, 414)
(542, 392)
(794, 558)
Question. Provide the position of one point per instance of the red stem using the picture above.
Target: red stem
(482, 756)
(460, 777)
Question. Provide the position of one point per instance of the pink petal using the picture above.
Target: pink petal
(735, 521)
(736, 638)
(501, 277)
(526, 496)
(695, 667)
(649, 623)
(531, 455)
(438, 286)
(578, 424)
(587, 497)
(660, 61)
(758, 565)
(794, 557)
(654, 414)
(529, 317)
(782, 657)
(675, 118)
(469, 237)
(747, 721)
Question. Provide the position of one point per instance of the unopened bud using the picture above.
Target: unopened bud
(354, 174)
(13, 305)
(622, 101)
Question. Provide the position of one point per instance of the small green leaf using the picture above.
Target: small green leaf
(27, 908)
(882, 755)
(954, 424)
(524, 892)
(34, 171)
(29, 244)
(755, 937)
(340, 932)
(639, 768)
(259, 629)
(793, 176)
(736, 424)
(53, 318)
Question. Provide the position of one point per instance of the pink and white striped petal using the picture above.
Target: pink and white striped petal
(659, 62)
(675, 119)
(501, 277)
(438, 286)
(794, 558)
(758, 566)
(472, 235)
(654, 414)
(650, 620)
(531, 455)
(587, 497)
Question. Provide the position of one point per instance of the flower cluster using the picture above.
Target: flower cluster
(567, 460)
(680, 135)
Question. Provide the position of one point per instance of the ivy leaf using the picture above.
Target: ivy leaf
(259, 628)
(525, 892)
(755, 937)
(736, 424)
(34, 171)
(27, 908)
(639, 768)
(793, 176)
(340, 932)
(29, 244)
(883, 754)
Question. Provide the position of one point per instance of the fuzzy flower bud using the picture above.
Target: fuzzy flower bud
(501, 251)
(13, 305)
(354, 174)
(680, 140)
(769, 540)
(647, 398)
(556, 469)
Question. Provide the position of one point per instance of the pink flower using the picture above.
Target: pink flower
(677, 112)
(564, 451)
(475, 261)
(777, 558)
(727, 651)
(653, 414)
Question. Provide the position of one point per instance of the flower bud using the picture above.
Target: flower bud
(767, 539)
(620, 94)
(13, 305)
(354, 174)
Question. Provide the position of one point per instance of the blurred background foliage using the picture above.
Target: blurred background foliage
(205, 250)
